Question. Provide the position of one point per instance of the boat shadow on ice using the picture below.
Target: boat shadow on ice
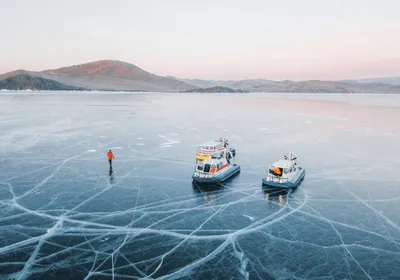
(211, 192)
(277, 195)
(207, 187)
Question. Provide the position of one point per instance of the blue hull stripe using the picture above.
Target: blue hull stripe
(219, 178)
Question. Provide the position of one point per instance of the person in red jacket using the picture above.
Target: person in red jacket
(110, 157)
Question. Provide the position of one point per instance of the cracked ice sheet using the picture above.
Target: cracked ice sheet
(63, 216)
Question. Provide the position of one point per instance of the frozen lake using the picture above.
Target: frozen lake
(64, 216)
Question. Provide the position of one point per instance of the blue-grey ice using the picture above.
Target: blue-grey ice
(64, 214)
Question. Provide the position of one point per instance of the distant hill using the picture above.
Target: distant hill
(201, 83)
(387, 80)
(26, 81)
(114, 75)
(312, 86)
(238, 84)
(107, 75)
(216, 89)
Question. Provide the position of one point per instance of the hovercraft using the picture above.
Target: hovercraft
(284, 173)
(218, 168)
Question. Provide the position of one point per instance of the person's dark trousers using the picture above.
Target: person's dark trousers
(110, 161)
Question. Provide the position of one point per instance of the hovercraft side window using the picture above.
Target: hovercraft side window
(207, 167)
(276, 171)
(213, 168)
(200, 166)
(286, 170)
(207, 148)
(215, 156)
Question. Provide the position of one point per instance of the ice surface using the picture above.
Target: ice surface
(65, 215)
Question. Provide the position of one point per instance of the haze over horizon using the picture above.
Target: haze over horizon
(228, 40)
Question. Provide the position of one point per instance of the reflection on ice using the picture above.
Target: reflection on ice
(66, 214)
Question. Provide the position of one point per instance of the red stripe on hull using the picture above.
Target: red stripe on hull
(222, 167)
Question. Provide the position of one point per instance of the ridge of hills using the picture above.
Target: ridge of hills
(25, 81)
(112, 75)
(216, 89)
(115, 75)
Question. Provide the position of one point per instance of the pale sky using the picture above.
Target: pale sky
(207, 39)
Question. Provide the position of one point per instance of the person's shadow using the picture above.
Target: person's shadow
(110, 174)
